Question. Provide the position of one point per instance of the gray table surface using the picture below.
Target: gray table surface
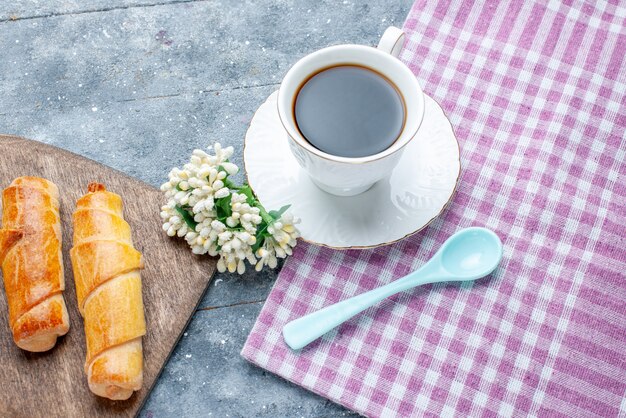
(137, 85)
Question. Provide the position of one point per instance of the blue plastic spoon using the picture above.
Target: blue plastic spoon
(469, 254)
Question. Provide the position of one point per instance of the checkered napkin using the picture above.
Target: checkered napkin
(536, 91)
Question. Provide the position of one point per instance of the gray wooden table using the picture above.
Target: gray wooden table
(137, 85)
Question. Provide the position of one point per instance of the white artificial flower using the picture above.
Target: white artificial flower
(173, 223)
(204, 239)
(285, 233)
(221, 155)
(200, 181)
(266, 255)
(230, 168)
(243, 214)
(280, 243)
(194, 190)
(236, 246)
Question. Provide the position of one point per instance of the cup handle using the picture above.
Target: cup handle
(392, 40)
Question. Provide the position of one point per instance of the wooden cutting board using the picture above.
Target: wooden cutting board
(54, 384)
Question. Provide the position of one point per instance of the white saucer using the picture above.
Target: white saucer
(417, 191)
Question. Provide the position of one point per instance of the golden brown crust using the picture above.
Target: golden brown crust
(8, 239)
(108, 287)
(95, 262)
(96, 187)
(32, 263)
(35, 330)
(104, 201)
(116, 373)
(98, 224)
(38, 183)
(107, 327)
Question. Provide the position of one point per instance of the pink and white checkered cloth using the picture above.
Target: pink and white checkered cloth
(536, 91)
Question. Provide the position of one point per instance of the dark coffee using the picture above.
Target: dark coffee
(349, 111)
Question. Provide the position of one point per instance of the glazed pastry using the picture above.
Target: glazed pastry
(32, 263)
(108, 288)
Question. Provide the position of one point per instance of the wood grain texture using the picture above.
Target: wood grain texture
(174, 280)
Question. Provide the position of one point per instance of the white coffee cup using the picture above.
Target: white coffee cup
(346, 176)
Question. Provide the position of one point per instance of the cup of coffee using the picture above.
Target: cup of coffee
(349, 111)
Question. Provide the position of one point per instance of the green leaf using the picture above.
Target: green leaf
(247, 191)
(222, 208)
(276, 214)
(230, 184)
(191, 223)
